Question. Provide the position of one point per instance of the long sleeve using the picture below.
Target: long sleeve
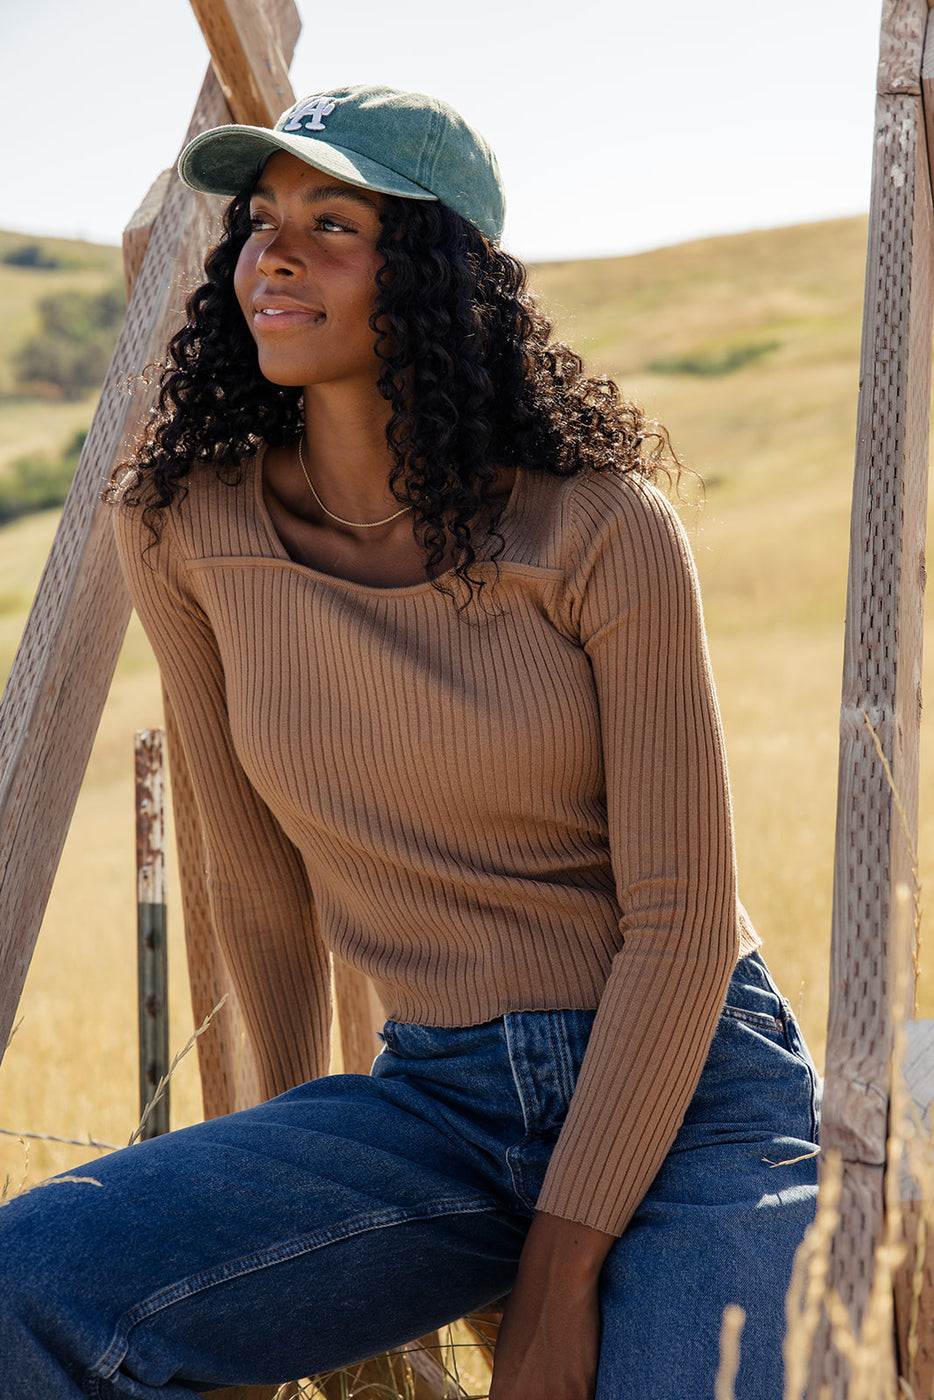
(261, 905)
(635, 601)
(519, 807)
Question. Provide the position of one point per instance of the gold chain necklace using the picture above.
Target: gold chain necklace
(356, 524)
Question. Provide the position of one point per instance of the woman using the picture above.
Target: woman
(435, 647)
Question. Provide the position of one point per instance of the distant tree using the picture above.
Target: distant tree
(78, 317)
(30, 255)
(38, 481)
(71, 352)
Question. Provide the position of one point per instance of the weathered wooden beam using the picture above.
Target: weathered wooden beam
(914, 1284)
(61, 673)
(137, 232)
(280, 25)
(882, 664)
(247, 58)
(359, 1015)
(901, 42)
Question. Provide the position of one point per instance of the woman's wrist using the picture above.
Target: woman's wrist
(576, 1250)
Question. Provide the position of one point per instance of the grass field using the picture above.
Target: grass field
(773, 439)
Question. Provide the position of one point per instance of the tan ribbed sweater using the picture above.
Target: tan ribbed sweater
(519, 806)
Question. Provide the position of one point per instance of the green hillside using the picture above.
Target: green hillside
(773, 439)
(746, 347)
(776, 432)
(35, 421)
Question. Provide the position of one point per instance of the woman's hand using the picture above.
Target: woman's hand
(549, 1342)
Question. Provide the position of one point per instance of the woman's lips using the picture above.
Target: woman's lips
(284, 316)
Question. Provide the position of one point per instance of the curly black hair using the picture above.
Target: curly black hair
(473, 378)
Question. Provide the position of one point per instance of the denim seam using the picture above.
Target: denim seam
(814, 1081)
(262, 1259)
(517, 1171)
(518, 1074)
(795, 1044)
(525, 1093)
(563, 1058)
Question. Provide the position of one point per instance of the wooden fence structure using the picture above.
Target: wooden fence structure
(877, 803)
(62, 672)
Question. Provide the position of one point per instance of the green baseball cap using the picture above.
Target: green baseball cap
(401, 143)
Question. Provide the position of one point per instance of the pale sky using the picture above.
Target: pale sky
(619, 125)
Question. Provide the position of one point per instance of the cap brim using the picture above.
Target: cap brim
(229, 159)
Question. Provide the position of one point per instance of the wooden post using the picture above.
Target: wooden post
(882, 667)
(247, 59)
(151, 944)
(359, 1016)
(62, 671)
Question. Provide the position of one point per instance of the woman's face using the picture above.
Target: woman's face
(306, 277)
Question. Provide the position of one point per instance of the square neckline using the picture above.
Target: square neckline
(283, 556)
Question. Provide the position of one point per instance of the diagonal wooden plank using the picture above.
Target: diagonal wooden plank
(901, 41)
(59, 680)
(359, 1017)
(273, 29)
(62, 670)
(247, 59)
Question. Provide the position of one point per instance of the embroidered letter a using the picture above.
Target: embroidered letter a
(307, 116)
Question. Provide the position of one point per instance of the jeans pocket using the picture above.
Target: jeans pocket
(758, 1080)
(763, 1021)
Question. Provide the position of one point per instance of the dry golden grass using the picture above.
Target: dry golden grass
(71, 1067)
(774, 441)
(27, 427)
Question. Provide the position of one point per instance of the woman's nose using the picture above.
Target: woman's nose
(279, 256)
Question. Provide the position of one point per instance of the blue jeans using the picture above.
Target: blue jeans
(357, 1212)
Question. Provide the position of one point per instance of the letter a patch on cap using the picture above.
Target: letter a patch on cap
(307, 115)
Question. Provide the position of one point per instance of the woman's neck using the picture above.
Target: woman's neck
(346, 456)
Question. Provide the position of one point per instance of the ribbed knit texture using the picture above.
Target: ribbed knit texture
(517, 806)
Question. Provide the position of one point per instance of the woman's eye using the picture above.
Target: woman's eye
(328, 225)
(258, 222)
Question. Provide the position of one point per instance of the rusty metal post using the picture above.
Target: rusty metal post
(152, 949)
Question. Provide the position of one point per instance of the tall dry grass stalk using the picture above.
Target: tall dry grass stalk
(730, 1333)
(7, 1194)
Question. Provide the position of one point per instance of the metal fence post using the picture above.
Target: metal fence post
(152, 949)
